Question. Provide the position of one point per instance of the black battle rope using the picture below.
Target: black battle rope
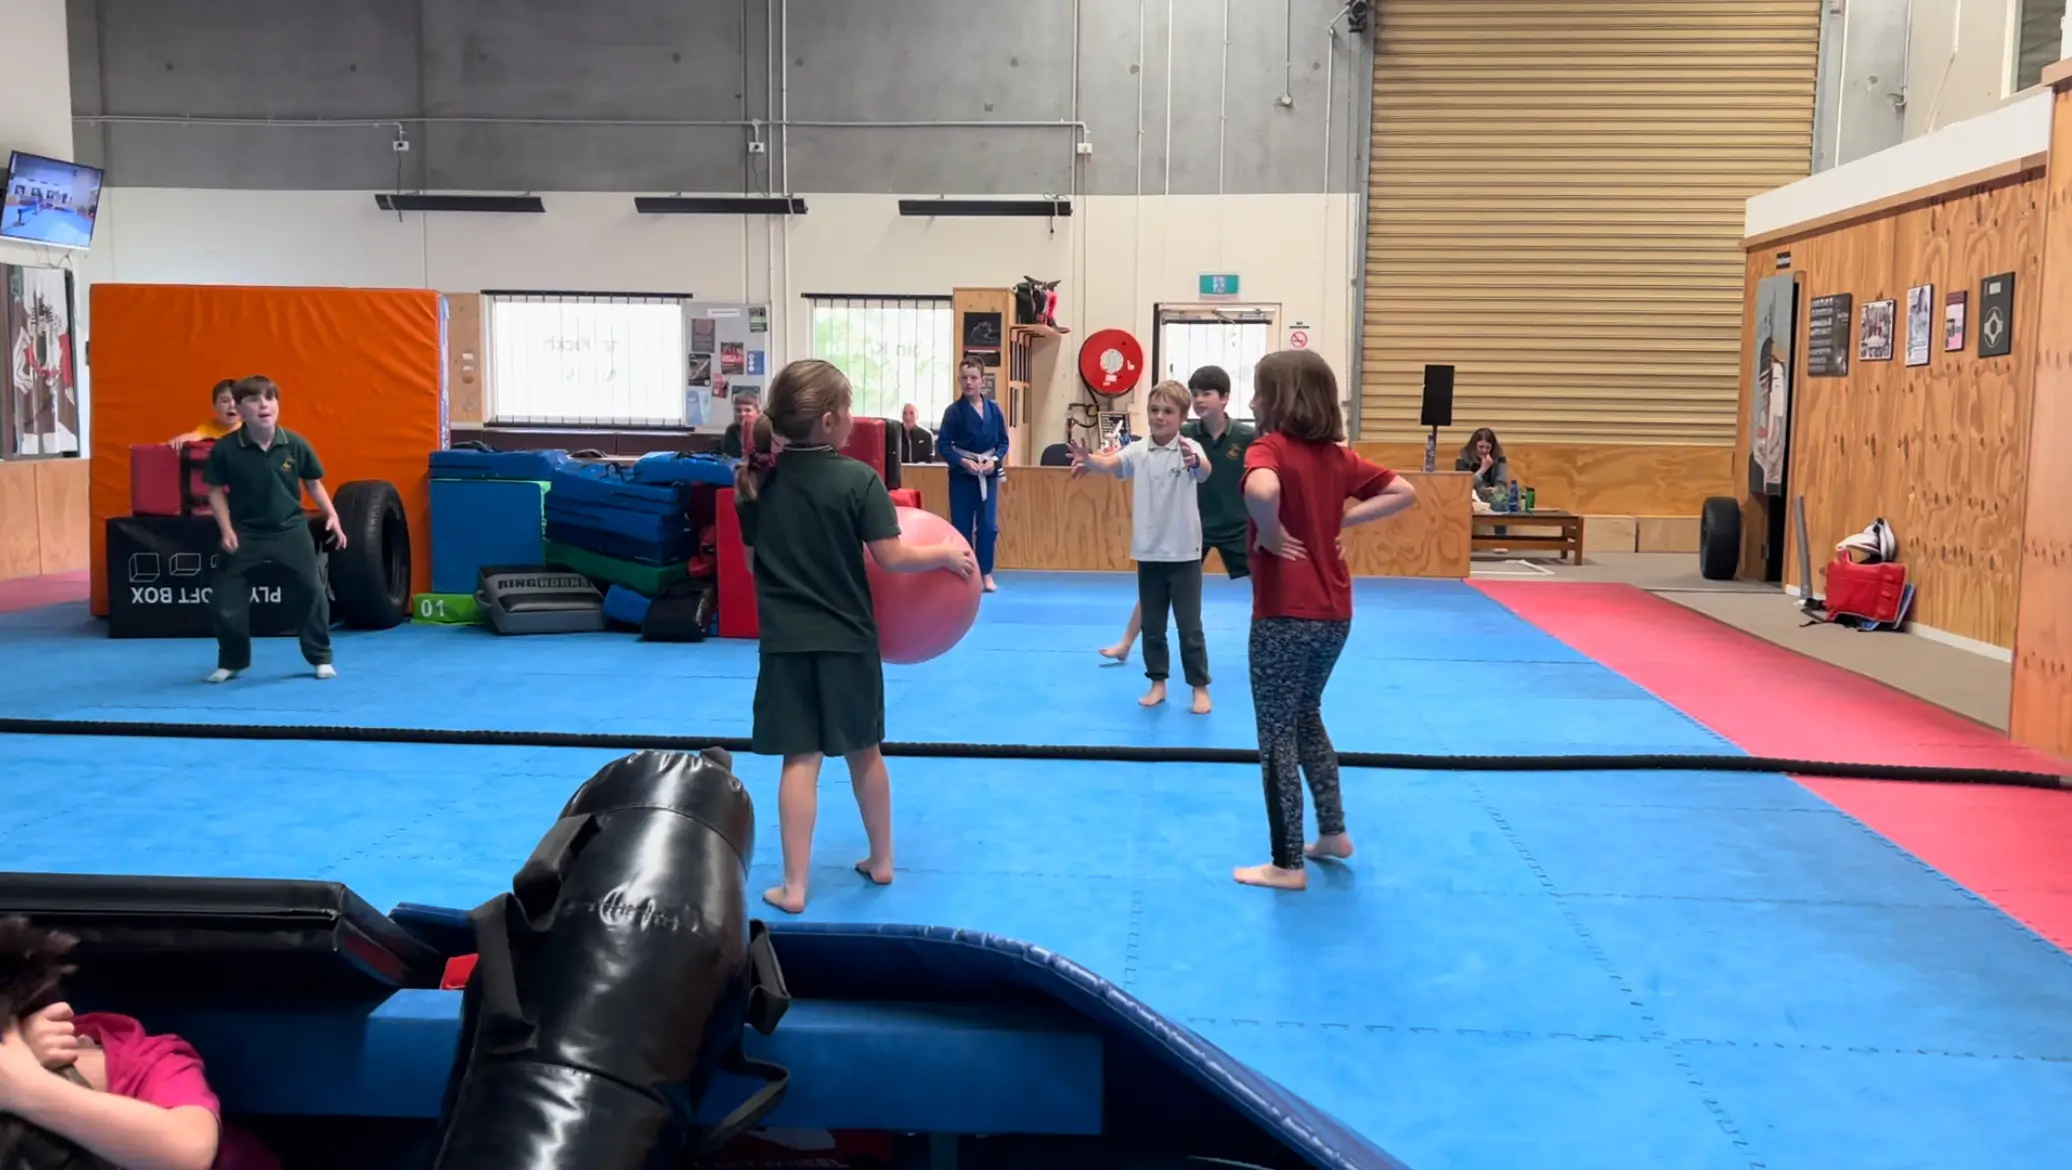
(1393, 761)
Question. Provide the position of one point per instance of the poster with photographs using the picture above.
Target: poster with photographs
(39, 389)
(1877, 330)
(1953, 320)
(733, 358)
(1776, 315)
(1920, 323)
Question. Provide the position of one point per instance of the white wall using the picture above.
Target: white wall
(2011, 132)
(35, 98)
(1117, 254)
(1960, 61)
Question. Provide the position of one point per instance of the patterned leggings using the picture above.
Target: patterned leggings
(1292, 659)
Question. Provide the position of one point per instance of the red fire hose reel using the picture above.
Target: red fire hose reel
(1111, 362)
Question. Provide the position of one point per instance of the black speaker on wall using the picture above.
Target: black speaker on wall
(1438, 397)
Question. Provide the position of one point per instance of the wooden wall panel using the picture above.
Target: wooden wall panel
(21, 537)
(465, 359)
(1939, 450)
(1048, 520)
(1598, 479)
(43, 517)
(2042, 707)
(62, 515)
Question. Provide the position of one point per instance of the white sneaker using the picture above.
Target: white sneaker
(222, 675)
(327, 671)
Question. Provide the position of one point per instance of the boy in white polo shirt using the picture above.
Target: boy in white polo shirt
(1165, 538)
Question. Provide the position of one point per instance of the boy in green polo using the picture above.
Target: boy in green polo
(1222, 496)
(256, 475)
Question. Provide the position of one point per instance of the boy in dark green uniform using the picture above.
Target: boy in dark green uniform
(256, 475)
(1224, 522)
(807, 514)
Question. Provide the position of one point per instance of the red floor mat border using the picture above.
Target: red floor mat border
(36, 592)
(2011, 847)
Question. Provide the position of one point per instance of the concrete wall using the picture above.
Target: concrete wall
(663, 95)
(1195, 167)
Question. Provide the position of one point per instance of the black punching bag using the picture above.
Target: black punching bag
(615, 978)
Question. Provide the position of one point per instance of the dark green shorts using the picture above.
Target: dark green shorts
(831, 703)
(1236, 559)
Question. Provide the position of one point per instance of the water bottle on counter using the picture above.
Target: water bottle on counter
(1530, 497)
(1514, 497)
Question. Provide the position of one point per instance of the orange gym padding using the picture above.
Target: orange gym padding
(362, 376)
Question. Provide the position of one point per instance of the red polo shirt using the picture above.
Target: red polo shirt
(1316, 481)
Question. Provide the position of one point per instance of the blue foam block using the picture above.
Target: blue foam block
(627, 606)
(947, 1068)
(484, 522)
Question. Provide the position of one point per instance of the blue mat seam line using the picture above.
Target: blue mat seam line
(1656, 1033)
(1964, 891)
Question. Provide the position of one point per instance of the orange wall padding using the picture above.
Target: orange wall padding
(361, 373)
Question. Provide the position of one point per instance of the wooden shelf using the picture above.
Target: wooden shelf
(1034, 332)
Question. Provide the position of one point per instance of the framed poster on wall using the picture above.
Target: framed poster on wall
(1776, 320)
(1920, 323)
(39, 387)
(1827, 335)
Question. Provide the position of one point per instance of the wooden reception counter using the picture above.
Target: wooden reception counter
(1049, 520)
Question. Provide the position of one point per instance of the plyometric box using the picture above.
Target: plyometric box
(159, 578)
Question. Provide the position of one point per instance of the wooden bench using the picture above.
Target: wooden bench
(1567, 538)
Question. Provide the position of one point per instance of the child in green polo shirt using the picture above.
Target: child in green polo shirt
(807, 513)
(256, 475)
(1224, 440)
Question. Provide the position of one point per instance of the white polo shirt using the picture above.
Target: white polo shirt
(1166, 526)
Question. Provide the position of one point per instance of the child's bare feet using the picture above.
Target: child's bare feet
(1273, 877)
(992, 586)
(1154, 696)
(1120, 652)
(1331, 847)
(1202, 706)
(786, 899)
(877, 871)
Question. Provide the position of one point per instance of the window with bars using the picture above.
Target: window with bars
(1189, 340)
(895, 350)
(2038, 39)
(559, 359)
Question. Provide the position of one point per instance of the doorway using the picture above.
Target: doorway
(1185, 338)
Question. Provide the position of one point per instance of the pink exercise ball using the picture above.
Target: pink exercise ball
(922, 615)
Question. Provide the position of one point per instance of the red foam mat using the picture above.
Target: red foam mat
(37, 592)
(2011, 846)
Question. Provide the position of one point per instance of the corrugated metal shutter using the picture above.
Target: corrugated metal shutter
(1555, 208)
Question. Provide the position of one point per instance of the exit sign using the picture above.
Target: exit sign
(1219, 284)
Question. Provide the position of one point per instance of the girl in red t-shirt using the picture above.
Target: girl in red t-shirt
(100, 1081)
(1298, 477)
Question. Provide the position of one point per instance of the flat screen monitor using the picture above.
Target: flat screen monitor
(50, 202)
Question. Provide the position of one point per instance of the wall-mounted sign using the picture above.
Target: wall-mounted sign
(1298, 336)
(1920, 323)
(1827, 336)
(1996, 315)
(1953, 320)
(1783, 261)
(1218, 284)
(1877, 330)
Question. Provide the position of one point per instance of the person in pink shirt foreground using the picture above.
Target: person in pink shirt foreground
(99, 1080)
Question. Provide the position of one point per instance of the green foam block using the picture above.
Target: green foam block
(648, 579)
(445, 609)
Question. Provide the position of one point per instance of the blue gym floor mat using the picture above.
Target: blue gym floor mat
(1558, 969)
(1432, 667)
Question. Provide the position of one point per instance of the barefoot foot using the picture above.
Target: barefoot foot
(1332, 847)
(1154, 696)
(992, 586)
(1273, 877)
(786, 899)
(1202, 706)
(877, 871)
(1120, 652)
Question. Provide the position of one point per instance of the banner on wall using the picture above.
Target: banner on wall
(41, 401)
(1776, 320)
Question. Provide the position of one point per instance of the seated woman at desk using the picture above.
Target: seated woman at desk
(1484, 456)
(223, 417)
